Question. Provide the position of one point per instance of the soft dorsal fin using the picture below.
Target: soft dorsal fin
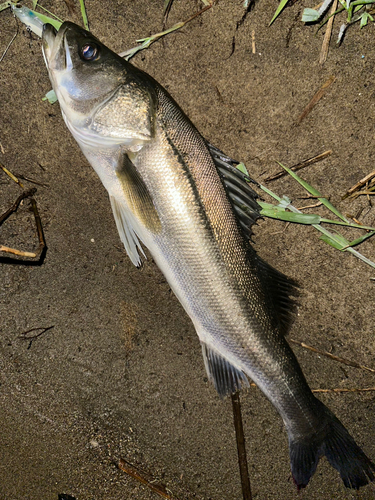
(226, 378)
(278, 289)
(241, 195)
(279, 292)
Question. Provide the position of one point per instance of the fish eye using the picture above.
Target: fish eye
(89, 52)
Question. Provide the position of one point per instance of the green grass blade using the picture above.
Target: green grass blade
(358, 241)
(48, 12)
(336, 241)
(313, 191)
(84, 15)
(56, 24)
(241, 167)
(277, 212)
(271, 193)
(282, 4)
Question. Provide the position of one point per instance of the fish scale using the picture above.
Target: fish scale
(180, 197)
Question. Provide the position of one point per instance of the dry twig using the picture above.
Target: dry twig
(42, 244)
(145, 478)
(316, 99)
(347, 362)
(298, 166)
(327, 36)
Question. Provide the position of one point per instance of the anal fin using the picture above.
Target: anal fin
(226, 378)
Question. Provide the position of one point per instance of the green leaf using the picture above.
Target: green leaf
(310, 15)
(282, 4)
(5, 5)
(336, 240)
(364, 19)
(46, 19)
(281, 214)
(50, 97)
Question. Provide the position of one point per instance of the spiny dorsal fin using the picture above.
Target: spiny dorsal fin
(241, 195)
(226, 378)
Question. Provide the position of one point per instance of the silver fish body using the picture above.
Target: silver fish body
(167, 193)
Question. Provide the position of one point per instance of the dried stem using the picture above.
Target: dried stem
(327, 36)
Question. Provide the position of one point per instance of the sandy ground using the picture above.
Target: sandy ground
(120, 374)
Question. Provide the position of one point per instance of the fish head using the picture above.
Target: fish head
(103, 98)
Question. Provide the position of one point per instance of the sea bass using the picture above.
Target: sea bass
(175, 194)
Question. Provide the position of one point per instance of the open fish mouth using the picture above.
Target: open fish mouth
(55, 48)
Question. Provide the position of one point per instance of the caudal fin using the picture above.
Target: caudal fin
(342, 452)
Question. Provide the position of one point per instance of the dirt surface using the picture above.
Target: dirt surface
(121, 374)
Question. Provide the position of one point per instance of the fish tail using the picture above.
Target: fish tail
(342, 452)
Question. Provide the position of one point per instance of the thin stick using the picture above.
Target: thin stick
(15, 205)
(366, 389)
(145, 478)
(241, 448)
(253, 42)
(14, 251)
(347, 362)
(316, 98)
(327, 36)
(9, 44)
(38, 222)
(42, 243)
(319, 204)
(13, 177)
(298, 166)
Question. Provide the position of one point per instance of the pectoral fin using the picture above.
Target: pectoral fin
(137, 195)
(126, 231)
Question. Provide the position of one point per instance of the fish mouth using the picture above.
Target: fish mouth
(56, 52)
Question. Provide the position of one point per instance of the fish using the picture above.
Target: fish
(183, 199)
